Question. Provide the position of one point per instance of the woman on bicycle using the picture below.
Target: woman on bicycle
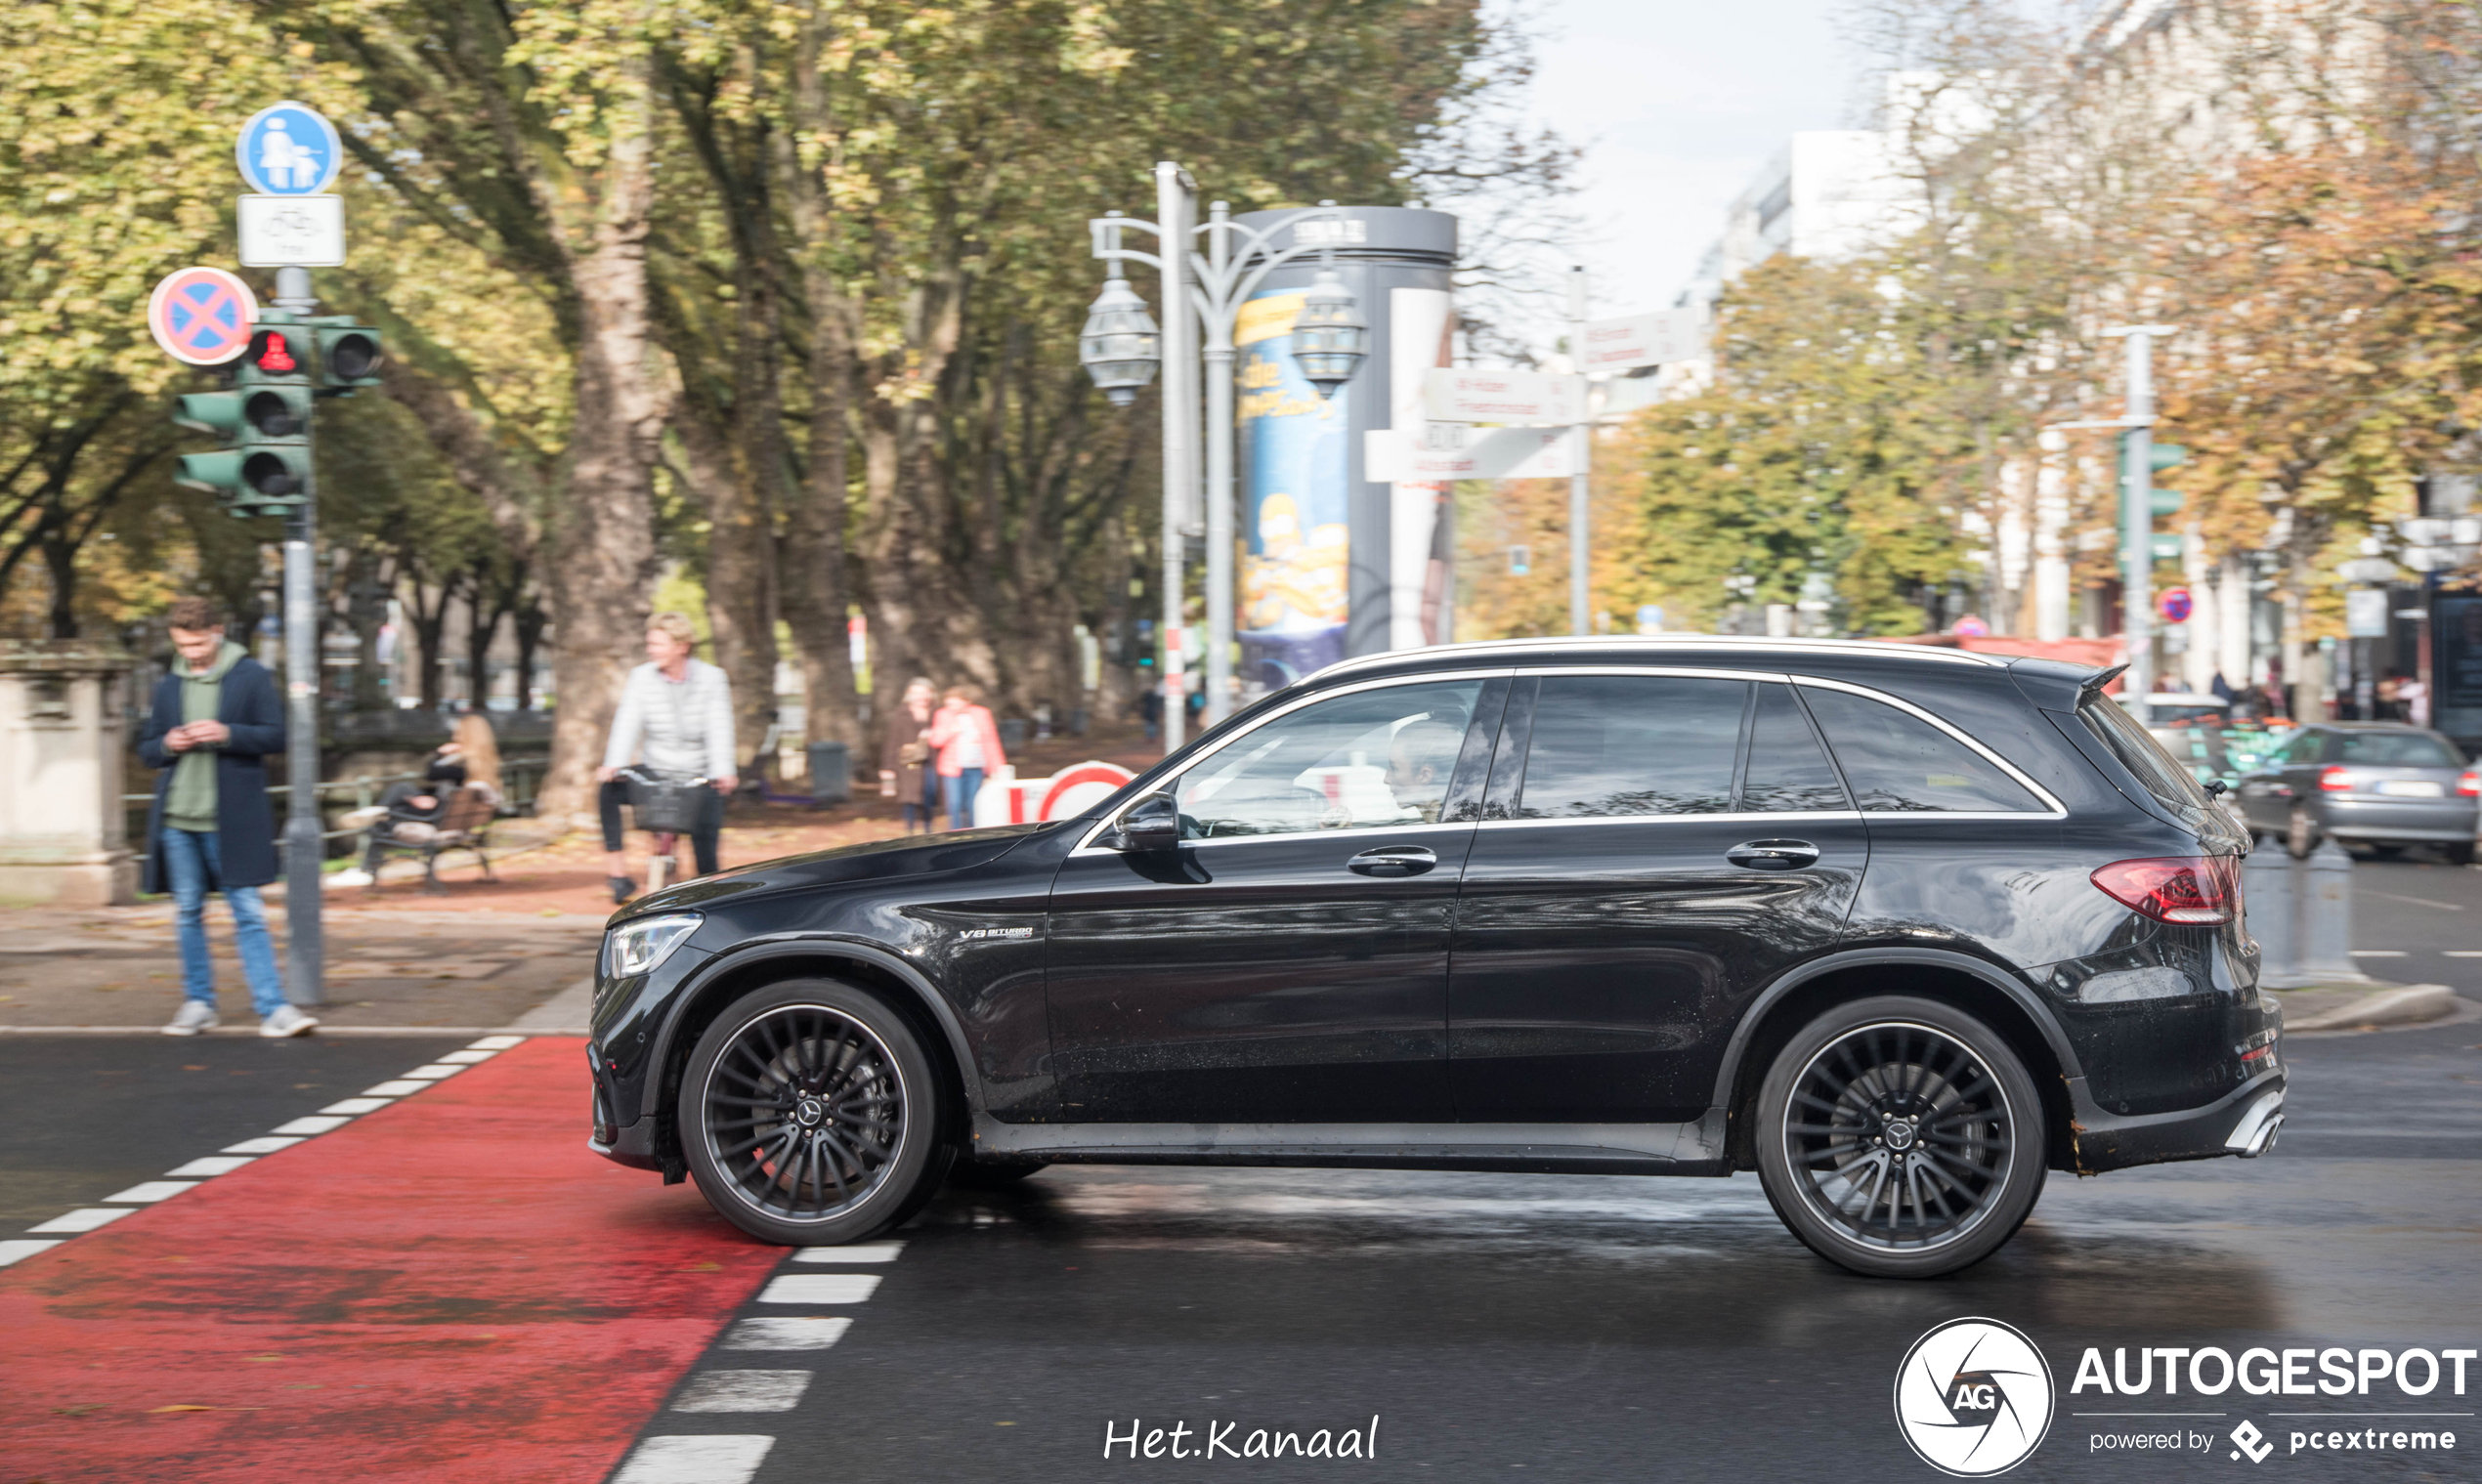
(675, 718)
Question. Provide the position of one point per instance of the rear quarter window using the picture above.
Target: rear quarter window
(2140, 754)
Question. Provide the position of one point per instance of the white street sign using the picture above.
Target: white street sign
(1636, 340)
(292, 231)
(1450, 395)
(1453, 450)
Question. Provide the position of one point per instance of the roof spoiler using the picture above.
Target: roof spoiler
(2099, 679)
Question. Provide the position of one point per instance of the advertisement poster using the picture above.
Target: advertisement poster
(2455, 666)
(1295, 447)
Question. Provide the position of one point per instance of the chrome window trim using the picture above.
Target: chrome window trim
(1769, 817)
(2053, 808)
(1087, 845)
(1707, 643)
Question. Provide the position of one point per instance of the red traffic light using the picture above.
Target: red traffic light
(270, 352)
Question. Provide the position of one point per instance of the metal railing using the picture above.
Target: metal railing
(520, 779)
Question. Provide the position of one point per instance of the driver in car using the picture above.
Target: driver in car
(1420, 758)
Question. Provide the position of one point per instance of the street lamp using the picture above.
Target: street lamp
(1330, 341)
(1119, 346)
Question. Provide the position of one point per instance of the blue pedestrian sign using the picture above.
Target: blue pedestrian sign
(289, 149)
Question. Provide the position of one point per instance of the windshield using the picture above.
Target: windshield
(2138, 752)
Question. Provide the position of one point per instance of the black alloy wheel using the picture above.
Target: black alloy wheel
(809, 1115)
(1899, 1138)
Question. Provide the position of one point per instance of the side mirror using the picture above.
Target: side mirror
(1153, 823)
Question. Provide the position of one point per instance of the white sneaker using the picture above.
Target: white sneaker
(288, 1021)
(193, 1016)
(353, 878)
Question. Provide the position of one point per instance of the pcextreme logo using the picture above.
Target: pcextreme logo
(1973, 1397)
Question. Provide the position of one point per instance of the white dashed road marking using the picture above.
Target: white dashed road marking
(859, 1252)
(332, 1116)
(85, 1220)
(212, 1165)
(820, 1288)
(18, 1250)
(727, 1458)
(677, 1459)
(786, 1333)
(150, 1191)
(745, 1391)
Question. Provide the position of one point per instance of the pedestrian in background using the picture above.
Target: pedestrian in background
(905, 754)
(676, 718)
(967, 741)
(407, 813)
(209, 730)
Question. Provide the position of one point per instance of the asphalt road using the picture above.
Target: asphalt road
(1497, 1327)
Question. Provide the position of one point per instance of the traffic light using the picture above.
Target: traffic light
(349, 353)
(2160, 457)
(266, 420)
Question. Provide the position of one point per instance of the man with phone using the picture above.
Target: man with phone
(214, 721)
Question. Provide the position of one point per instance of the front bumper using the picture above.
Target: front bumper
(2242, 1121)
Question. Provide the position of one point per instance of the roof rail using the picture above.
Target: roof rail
(1639, 641)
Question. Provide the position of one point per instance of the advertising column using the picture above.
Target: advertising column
(1337, 564)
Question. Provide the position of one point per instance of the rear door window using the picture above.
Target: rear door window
(1613, 745)
(1788, 770)
(1899, 763)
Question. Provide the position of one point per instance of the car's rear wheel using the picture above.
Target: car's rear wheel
(811, 1116)
(1899, 1138)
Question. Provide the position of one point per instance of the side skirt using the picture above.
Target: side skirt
(1619, 1149)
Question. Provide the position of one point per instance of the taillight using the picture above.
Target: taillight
(2182, 889)
(2469, 785)
(2334, 780)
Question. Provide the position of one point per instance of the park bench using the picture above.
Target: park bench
(465, 824)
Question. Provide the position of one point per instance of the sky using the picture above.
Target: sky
(1678, 104)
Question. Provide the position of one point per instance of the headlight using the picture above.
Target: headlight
(638, 947)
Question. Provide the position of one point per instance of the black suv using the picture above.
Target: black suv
(1898, 928)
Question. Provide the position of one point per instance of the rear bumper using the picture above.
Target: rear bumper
(2396, 818)
(2242, 1123)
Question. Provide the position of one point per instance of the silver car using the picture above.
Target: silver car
(2380, 784)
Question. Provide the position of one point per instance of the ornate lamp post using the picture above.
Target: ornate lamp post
(1330, 341)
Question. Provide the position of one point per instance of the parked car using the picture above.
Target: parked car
(2220, 751)
(2379, 784)
(1899, 931)
(2163, 707)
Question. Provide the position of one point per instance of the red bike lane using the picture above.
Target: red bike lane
(450, 1288)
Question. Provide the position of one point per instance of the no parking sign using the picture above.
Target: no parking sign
(202, 315)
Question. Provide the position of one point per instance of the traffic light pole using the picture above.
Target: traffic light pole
(2137, 516)
(305, 940)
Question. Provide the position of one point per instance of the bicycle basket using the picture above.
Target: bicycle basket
(667, 806)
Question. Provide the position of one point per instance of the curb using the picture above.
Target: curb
(2409, 1004)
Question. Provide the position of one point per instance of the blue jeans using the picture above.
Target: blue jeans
(961, 792)
(192, 860)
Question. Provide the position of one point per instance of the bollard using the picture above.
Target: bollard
(2268, 913)
(2324, 942)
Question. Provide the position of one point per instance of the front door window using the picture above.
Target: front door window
(1375, 759)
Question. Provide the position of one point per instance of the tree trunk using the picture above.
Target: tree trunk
(602, 542)
(486, 605)
(531, 621)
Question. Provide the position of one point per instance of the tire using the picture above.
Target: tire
(812, 1115)
(972, 1174)
(1898, 1087)
(2300, 833)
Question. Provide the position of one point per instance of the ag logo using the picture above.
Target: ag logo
(1974, 1397)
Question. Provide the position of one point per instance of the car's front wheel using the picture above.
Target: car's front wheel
(810, 1115)
(1899, 1138)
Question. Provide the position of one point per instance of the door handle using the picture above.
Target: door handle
(1393, 860)
(1774, 855)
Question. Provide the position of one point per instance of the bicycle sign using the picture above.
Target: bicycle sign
(289, 149)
